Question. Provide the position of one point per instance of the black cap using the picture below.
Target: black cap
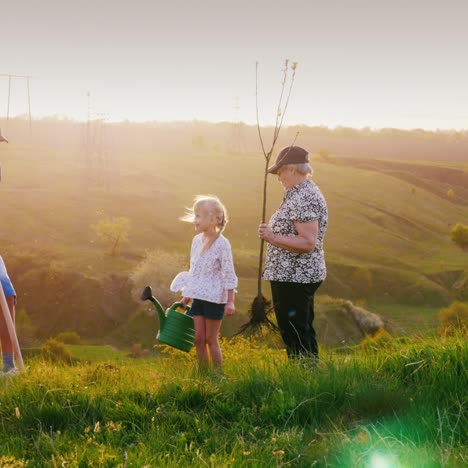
(289, 155)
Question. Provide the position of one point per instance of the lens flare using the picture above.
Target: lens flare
(380, 460)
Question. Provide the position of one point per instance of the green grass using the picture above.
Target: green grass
(404, 404)
(409, 320)
(94, 353)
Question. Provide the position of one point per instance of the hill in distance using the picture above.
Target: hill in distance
(388, 240)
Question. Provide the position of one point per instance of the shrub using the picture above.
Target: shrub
(70, 337)
(158, 270)
(55, 351)
(454, 318)
(366, 321)
(459, 235)
(380, 339)
(112, 232)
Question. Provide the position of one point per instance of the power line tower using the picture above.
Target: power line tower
(95, 147)
(27, 78)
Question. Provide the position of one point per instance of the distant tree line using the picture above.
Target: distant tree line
(170, 137)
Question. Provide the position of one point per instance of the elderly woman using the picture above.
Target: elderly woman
(295, 263)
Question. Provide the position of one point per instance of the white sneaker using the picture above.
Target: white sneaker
(11, 372)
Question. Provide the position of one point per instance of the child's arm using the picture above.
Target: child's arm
(185, 301)
(227, 268)
(230, 308)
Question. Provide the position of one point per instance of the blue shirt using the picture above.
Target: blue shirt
(7, 285)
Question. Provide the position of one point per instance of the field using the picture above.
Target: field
(395, 400)
(388, 244)
(399, 403)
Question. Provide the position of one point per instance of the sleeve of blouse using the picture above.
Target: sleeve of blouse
(227, 267)
(302, 210)
(192, 251)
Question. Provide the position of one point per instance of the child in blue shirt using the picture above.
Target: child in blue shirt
(7, 346)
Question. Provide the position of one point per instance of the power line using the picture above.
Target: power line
(27, 78)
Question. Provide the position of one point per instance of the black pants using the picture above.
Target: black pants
(294, 309)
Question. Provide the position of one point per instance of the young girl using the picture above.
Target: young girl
(210, 284)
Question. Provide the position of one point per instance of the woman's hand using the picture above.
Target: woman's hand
(265, 232)
(304, 241)
(229, 308)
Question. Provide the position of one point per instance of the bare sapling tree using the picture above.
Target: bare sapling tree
(261, 307)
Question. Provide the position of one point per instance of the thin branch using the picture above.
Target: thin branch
(256, 106)
(278, 110)
(279, 122)
(293, 67)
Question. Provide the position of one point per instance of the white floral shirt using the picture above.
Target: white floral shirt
(211, 273)
(302, 203)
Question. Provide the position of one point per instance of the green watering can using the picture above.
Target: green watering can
(175, 328)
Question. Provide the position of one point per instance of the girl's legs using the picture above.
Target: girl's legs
(212, 328)
(199, 324)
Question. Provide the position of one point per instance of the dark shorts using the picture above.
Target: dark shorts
(208, 310)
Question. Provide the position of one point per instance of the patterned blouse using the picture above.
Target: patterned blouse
(302, 203)
(211, 273)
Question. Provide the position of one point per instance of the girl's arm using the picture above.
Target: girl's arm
(229, 278)
(230, 308)
(227, 268)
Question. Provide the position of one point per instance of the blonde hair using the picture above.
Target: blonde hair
(212, 205)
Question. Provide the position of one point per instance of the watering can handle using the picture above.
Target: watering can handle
(187, 309)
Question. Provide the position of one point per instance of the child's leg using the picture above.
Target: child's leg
(200, 339)
(212, 328)
(7, 345)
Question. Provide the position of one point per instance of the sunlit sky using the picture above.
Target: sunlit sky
(376, 63)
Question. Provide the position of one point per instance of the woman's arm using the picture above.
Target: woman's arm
(303, 242)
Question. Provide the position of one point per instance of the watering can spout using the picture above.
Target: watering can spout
(147, 295)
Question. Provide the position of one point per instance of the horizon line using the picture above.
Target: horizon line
(64, 117)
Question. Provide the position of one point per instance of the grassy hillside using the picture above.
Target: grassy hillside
(388, 237)
(402, 404)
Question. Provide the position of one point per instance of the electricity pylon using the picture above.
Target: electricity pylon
(27, 78)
